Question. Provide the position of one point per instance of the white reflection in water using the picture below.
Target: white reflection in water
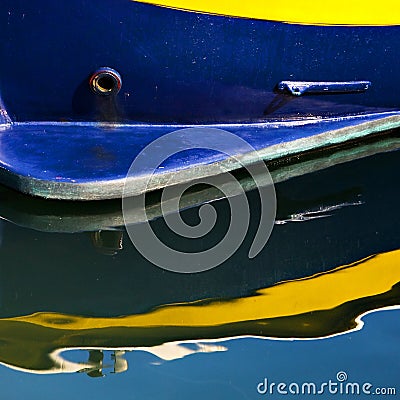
(322, 212)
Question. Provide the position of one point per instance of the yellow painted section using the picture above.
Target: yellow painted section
(325, 291)
(328, 12)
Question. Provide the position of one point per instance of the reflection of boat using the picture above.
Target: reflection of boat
(296, 249)
(299, 81)
(122, 303)
(305, 308)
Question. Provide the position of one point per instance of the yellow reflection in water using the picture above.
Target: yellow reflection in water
(369, 277)
(316, 306)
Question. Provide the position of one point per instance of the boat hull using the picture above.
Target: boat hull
(178, 69)
(183, 67)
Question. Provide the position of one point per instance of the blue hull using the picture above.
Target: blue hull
(176, 68)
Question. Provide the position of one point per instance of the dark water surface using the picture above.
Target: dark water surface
(316, 312)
